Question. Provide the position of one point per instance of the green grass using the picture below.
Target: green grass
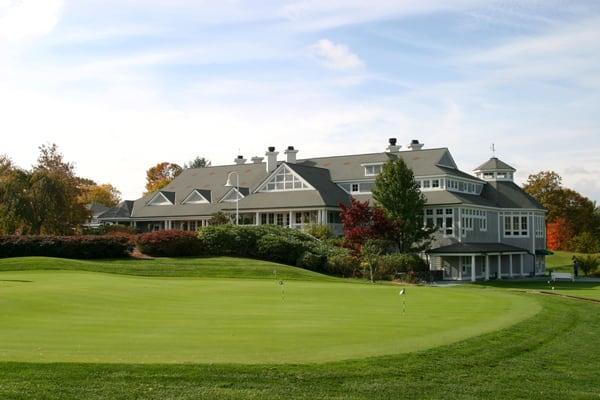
(210, 267)
(589, 290)
(561, 261)
(552, 353)
(58, 316)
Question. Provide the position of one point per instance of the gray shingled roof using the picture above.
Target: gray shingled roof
(320, 173)
(121, 211)
(458, 248)
(494, 164)
(97, 209)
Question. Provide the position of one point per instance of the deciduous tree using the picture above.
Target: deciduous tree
(105, 194)
(198, 162)
(161, 175)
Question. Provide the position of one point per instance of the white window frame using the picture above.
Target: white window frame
(443, 213)
(285, 170)
(224, 199)
(518, 231)
(374, 166)
(195, 191)
(165, 202)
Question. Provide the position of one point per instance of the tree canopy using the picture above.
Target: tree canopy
(161, 175)
(105, 193)
(398, 194)
(198, 162)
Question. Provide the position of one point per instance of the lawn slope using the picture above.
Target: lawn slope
(209, 267)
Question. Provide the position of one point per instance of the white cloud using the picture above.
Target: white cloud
(336, 56)
(20, 19)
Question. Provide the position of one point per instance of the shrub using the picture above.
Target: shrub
(342, 263)
(390, 265)
(171, 243)
(319, 231)
(78, 247)
(281, 249)
(311, 261)
(219, 218)
(588, 264)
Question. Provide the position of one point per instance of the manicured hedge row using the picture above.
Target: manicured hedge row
(265, 242)
(81, 247)
(169, 244)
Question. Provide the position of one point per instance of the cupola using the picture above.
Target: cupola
(495, 169)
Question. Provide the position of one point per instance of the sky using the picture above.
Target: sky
(120, 85)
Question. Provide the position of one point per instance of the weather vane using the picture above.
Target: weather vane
(493, 149)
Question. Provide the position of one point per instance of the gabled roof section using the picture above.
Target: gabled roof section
(283, 179)
(121, 211)
(197, 196)
(97, 209)
(162, 198)
(446, 160)
(494, 164)
(425, 162)
(235, 194)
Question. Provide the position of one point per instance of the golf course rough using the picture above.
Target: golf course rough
(89, 317)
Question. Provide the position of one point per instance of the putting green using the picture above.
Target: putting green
(70, 316)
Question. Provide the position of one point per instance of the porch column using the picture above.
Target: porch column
(257, 220)
(487, 267)
(460, 265)
(499, 266)
(522, 273)
(473, 269)
(290, 220)
(510, 257)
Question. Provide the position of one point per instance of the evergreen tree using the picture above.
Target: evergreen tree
(397, 192)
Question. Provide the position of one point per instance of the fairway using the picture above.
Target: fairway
(74, 316)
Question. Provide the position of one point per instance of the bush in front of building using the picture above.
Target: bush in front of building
(76, 247)
(343, 263)
(170, 243)
(407, 266)
(319, 231)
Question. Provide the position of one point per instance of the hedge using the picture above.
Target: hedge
(170, 243)
(79, 247)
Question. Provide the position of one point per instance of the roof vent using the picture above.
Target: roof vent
(415, 145)
(239, 160)
(393, 147)
(257, 160)
(290, 152)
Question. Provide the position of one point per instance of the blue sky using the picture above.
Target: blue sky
(122, 85)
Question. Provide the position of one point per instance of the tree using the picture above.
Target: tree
(44, 199)
(219, 218)
(372, 250)
(105, 194)
(361, 223)
(397, 192)
(566, 208)
(161, 175)
(198, 162)
(588, 263)
(558, 234)
(585, 242)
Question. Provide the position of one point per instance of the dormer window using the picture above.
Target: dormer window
(160, 199)
(195, 198)
(232, 196)
(285, 179)
(373, 169)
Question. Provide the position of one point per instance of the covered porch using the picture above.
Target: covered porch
(484, 261)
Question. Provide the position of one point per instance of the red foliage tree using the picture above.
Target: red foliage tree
(558, 234)
(362, 222)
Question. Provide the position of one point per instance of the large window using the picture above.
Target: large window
(373, 170)
(473, 217)
(284, 180)
(358, 187)
(442, 218)
(515, 225)
(540, 226)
